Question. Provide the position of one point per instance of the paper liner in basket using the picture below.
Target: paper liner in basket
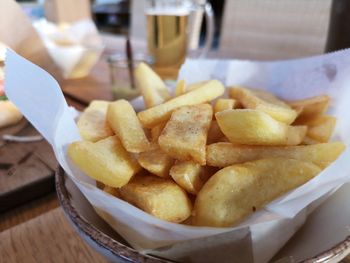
(39, 98)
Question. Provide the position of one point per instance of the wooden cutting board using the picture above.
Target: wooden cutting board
(26, 169)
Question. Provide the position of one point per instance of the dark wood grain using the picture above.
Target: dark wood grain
(47, 238)
(26, 170)
(27, 211)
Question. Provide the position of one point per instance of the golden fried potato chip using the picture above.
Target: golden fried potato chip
(214, 133)
(253, 127)
(264, 101)
(152, 87)
(161, 113)
(185, 135)
(189, 175)
(92, 123)
(308, 141)
(180, 88)
(112, 191)
(224, 154)
(100, 185)
(236, 191)
(160, 197)
(105, 161)
(156, 162)
(196, 85)
(156, 131)
(224, 104)
(311, 107)
(321, 128)
(122, 118)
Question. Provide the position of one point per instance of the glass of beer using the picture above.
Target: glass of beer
(168, 32)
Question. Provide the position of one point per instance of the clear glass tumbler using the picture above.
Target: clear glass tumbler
(120, 76)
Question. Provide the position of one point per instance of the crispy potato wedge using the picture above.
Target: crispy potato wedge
(156, 131)
(236, 191)
(296, 134)
(160, 197)
(224, 104)
(100, 185)
(185, 135)
(264, 101)
(225, 154)
(253, 127)
(321, 128)
(308, 141)
(196, 85)
(189, 175)
(156, 162)
(161, 113)
(105, 161)
(311, 107)
(214, 133)
(152, 87)
(92, 123)
(122, 118)
(180, 88)
(112, 191)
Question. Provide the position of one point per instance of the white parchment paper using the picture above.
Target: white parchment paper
(257, 239)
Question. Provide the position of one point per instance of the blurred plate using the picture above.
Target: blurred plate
(323, 238)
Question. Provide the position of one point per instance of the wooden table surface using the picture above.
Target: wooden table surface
(46, 238)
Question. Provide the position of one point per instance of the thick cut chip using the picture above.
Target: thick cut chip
(92, 123)
(105, 161)
(111, 191)
(308, 141)
(152, 87)
(224, 104)
(122, 118)
(236, 191)
(296, 134)
(185, 135)
(161, 113)
(214, 133)
(196, 85)
(224, 154)
(156, 162)
(100, 185)
(264, 101)
(157, 130)
(321, 128)
(189, 175)
(180, 88)
(311, 107)
(160, 197)
(257, 128)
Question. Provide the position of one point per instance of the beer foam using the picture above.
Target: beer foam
(167, 11)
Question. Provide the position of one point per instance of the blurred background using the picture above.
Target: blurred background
(114, 16)
(275, 29)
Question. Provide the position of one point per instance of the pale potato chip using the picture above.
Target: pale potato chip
(185, 135)
(236, 191)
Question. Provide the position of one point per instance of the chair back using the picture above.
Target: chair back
(274, 29)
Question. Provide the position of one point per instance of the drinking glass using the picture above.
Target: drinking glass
(168, 27)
